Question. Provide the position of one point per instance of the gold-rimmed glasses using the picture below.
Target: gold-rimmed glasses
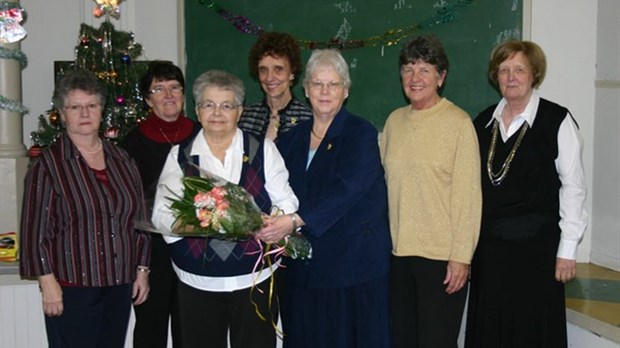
(175, 90)
(75, 108)
(210, 106)
(331, 85)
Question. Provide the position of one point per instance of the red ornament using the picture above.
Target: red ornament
(119, 100)
(111, 133)
(97, 12)
(35, 151)
(84, 41)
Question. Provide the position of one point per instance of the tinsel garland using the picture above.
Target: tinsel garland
(12, 105)
(6, 53)
(9, 5)
(444, 14)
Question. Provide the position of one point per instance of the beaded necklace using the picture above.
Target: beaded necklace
(497, 178)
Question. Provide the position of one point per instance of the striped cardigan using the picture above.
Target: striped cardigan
(78, 227)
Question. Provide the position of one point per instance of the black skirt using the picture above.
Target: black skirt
(514, 299)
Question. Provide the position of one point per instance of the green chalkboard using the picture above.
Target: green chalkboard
(215, 39)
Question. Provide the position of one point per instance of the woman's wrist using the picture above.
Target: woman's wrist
(294, 221)
(143, 269)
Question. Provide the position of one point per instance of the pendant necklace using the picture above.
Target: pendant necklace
(176, 135)
(276, 121)
(316, 135)
(497, 178)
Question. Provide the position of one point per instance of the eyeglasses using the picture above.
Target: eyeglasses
(331, 86)
(175, 90)
(74, 109)
(211, 106)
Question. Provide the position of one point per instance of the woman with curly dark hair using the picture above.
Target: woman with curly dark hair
(275, 61)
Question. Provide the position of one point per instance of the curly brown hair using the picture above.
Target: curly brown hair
(281, 45)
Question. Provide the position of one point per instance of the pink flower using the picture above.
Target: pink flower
(202, 200)
(221, 207)
(218, 193)
(205, 216)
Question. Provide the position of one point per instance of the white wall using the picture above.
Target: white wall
(606, 186)
(566, 30)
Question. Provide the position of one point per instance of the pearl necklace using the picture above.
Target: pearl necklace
(99, 147)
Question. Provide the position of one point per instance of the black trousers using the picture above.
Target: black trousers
(152, 316)
(93, 317)
(423, 314)
(207, 318)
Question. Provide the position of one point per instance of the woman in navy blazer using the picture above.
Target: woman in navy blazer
(338, 298)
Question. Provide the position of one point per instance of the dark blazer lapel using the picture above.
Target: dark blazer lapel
(330, 144)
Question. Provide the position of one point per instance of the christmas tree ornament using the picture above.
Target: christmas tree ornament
(119, 100)
(109, 8)
(111, 133)
(35, 151)
(97, 12)
(54, 117)
(126, 58)
(131, 112)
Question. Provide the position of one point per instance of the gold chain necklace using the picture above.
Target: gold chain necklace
(497, 178)
(176, 136)
(316, 135)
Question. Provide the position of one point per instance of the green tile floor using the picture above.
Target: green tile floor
(595, 293)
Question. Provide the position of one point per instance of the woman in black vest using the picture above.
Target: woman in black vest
(533, 209)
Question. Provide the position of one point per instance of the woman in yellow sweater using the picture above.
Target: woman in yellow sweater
(430, 154)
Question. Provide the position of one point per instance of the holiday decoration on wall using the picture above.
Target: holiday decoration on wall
(111, 55)
(11, 15)
(444, 14)
(11, 31)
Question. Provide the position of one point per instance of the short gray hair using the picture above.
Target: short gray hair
(82, 80)
(327, 58)
(219, 79)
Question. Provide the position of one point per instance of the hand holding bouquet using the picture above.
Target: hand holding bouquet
(215, 208)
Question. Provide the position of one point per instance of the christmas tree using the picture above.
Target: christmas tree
(111, 55)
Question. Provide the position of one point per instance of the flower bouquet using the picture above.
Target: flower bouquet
(214, 208)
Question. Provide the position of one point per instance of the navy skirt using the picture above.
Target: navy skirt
(356, 316)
